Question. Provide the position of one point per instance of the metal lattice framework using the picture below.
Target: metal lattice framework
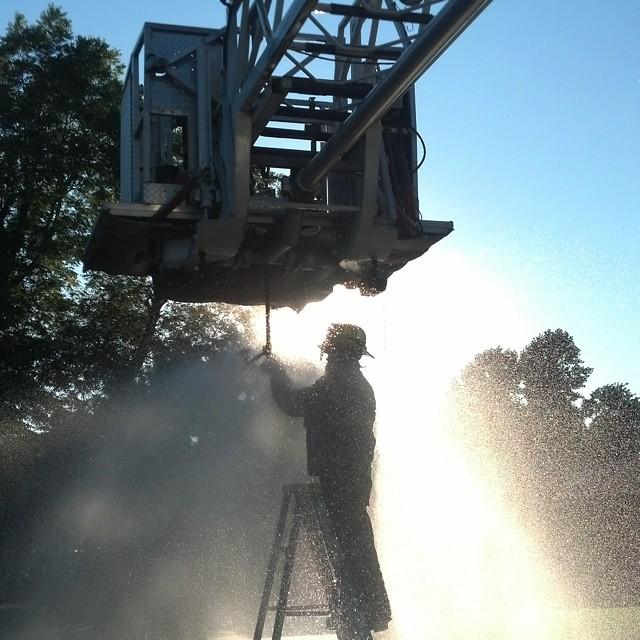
(334, 55)
(319, 93)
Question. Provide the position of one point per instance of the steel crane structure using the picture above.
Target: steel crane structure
(284, 142)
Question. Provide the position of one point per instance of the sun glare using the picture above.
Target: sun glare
(456, 564)
(435, 315)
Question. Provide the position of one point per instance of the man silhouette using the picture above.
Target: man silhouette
(339, 412)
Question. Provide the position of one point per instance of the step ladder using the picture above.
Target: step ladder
(303, 507)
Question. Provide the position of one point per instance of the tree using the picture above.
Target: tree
(565, 463)
(612, 417)
(82, 357)
(552, 377)
(59, 96)
(528, 411)
(523, 408)
(551, 369)
(487, 398)
(264, 182)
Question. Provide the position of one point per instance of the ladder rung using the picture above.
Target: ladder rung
(311, 115)
(295, 134)
(301, 611)
(319, 87)
(376, 14)
(375, 53)
(299, 114)
(290, 159)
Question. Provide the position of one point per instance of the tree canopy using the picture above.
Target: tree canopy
(533, 403)
(67, 339)
(59, 96)
(75, 349)
(565, 459)
(59, 121)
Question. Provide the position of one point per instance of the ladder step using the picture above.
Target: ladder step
(290, 159)
(295, 134)
(304, 611)
(376, 14)
(297, 114)
(374, 53)
(317, 87)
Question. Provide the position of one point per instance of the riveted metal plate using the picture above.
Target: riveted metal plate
(159, 193)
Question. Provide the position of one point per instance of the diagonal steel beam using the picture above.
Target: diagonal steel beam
(273, 54)
(447, 25)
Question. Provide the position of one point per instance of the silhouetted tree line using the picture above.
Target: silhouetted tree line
(76, 350)
(565, 460)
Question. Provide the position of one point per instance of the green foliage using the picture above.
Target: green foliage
(79, 353)
(264, 182)
(551, 369)
(59, 96)
(527, 411)
(67, 342)
(493, 376)
(488, 403)
(59, 120)
(612, 418)
(563, 461)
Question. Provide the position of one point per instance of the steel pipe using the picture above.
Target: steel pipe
(447, 25)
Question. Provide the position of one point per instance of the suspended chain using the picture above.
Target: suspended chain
(266, 351)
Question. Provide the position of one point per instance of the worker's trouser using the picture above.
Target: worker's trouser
(347, 502)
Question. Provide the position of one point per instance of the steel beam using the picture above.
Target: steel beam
(265, 107)
(276, 48)
(298, 114)
(347, 51)
(277, 157)
(448, 24)
(307, 86)
(356, 11)
(296, 134)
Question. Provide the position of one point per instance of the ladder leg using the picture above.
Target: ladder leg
(272, 566)
(310, 511)
(287, 573)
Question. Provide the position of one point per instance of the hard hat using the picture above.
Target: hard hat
(345, 338)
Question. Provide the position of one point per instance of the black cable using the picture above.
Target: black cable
(424, 148)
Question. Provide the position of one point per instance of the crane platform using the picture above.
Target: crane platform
(287, 138)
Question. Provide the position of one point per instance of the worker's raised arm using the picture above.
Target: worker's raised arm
(291, 401)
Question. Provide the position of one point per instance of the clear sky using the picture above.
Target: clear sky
(532, 119)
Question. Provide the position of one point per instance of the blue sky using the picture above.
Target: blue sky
(532, 119)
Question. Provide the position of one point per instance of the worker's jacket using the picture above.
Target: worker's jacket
(338, 410)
